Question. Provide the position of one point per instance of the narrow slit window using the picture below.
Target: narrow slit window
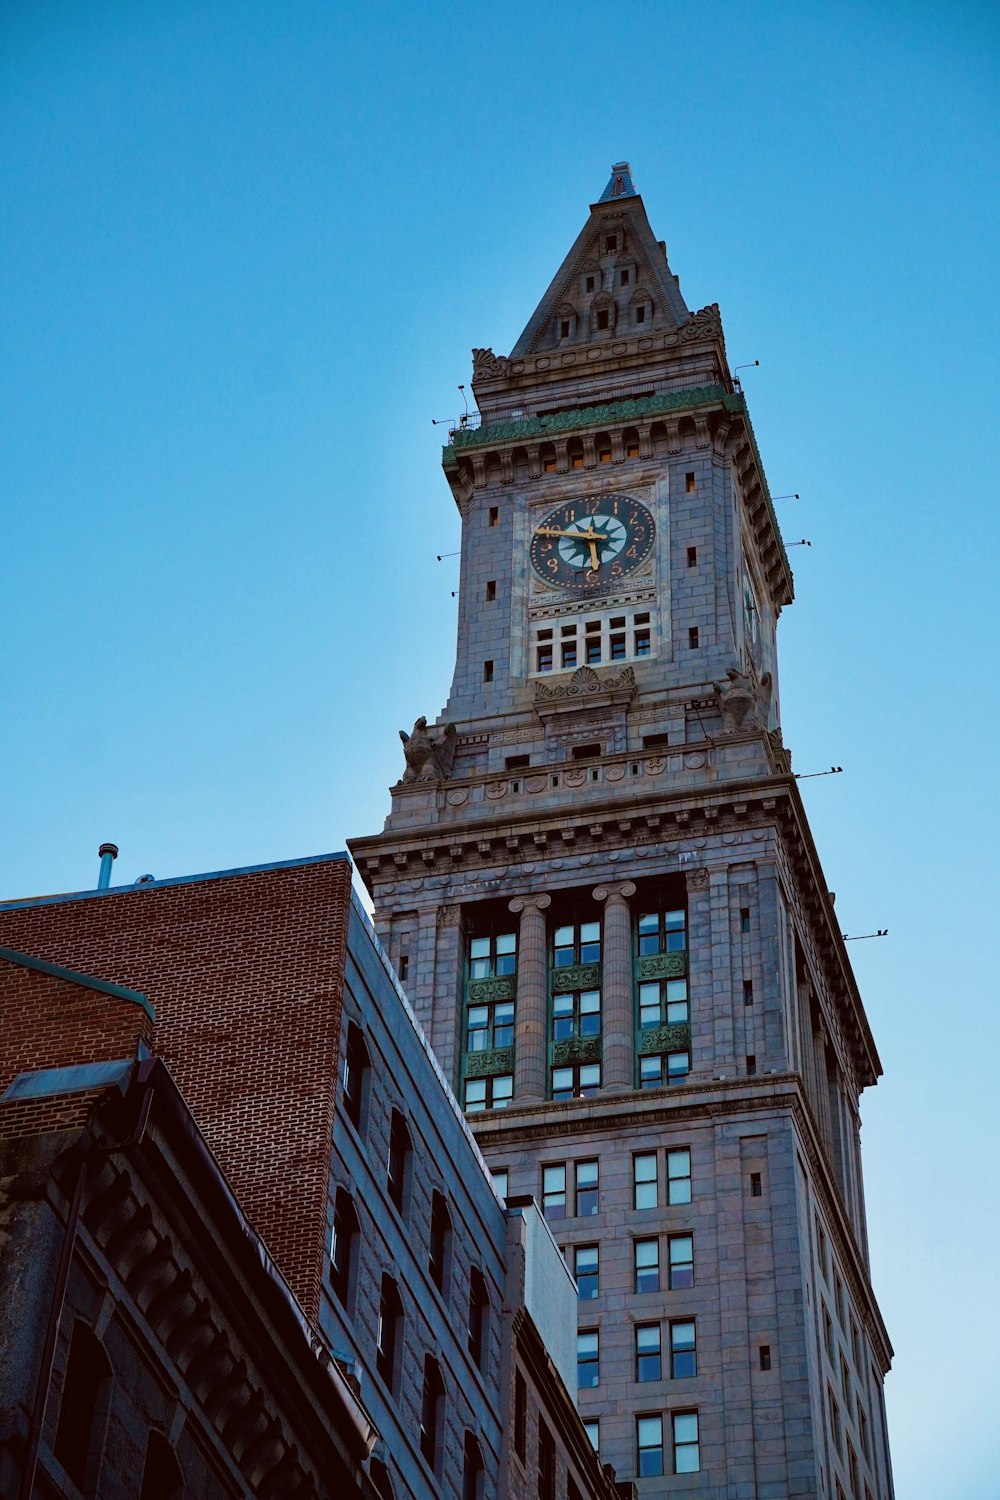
(693, 637)
(692, 557)
(689, 484)
(491, 590)
(487, 671)
(748, 992)
(494, 519)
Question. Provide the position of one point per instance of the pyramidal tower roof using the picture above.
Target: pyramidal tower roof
(615, 266)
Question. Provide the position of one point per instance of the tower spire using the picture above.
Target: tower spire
(620, 184)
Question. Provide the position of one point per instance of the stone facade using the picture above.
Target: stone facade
(619, 814)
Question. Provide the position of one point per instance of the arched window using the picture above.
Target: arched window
(357, 1077)
(389, 1344)
(83, 1413)
(344, 1250)
(399, 1164)
(439, 1263)
(473, 1469)
(379, 1472)
(432, 1414)
(479, 1316)
(161, 1473)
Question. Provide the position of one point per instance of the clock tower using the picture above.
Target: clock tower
(599, 887)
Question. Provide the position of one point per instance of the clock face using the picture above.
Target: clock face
(592, 542)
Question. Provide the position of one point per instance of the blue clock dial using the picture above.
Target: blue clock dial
(593, 542)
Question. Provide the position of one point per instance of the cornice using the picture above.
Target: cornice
(599, 414)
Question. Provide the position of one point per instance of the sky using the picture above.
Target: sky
(245, 250)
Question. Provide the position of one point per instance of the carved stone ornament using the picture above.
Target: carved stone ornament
(428, 754)
(662, 966)
(705, 324)
(578, 977)
(490, 991)
(487, 365)
(576, 1049)
(489, 1064)
(744, 704)
(449, 916)
(586, 683)
(697, 880)
(654, 1039)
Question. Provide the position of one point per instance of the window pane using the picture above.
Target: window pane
(648, 922)
(503, 1089)
(590, 932)
(564, 937)
(507, 942)
(590, 1076)
(590, 1000)
(480, 947)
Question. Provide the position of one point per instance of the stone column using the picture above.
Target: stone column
(617, 1003)
(532, 1007)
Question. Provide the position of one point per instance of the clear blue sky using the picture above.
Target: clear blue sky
(246, 249)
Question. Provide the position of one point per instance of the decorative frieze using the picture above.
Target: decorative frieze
(490, 1063)
(576, 1049)
(660, 1039)
(577, 977)
(492, 991)
(662, 966)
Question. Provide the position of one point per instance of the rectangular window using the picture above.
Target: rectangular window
(564, 328)
(679, 1177)
(828, 1335)
(543, 658)
(692, 557)
(487, 671)
(693, 637)
(836, 1430)
(490, 1026)
(647, 1352)
(603, 317)
(604, 455)
(589, 284)
(488, 1093)
(756, 1185)
(632, 449)
(625, 275)
(838, 1298)
(644, 1194)
(662, 932)
(546, 1463)
(491, 590)
(494, 956)
(616, 646)
(642, 642)
(586, 1269)
(593, 650)
(751, 1064)
(689, 484)
(494, 519)
(683, 1355)
(646, 1254)
(649, 1443)
(656, 1070)
(640, 313)
(820, 1244)
(663, 1001)
(764, 1355)
(686, 1453)
(516, 763)
(744, 919)
(576, 1013)
(681, 1260)
(588, 1359)
(520, 1416)
(500, 1177)
(593, 1430)
(578, 942)
(611, 243)
(568, 655)
(587, 1188)
(748, 992)
(576, 1080)
(554, 1192)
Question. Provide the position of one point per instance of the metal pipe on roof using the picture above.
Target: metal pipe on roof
(108, 853)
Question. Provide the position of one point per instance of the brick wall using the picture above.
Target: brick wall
(48, 1022)
(245, 973)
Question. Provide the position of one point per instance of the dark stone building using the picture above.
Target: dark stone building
(380, 1324)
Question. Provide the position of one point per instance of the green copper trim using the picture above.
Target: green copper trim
(489, 1064)
(661, 1039)
(614, 412)
(576, 1049)
(737, 403)
(489, 991)
(662, 966)
(578, 977)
